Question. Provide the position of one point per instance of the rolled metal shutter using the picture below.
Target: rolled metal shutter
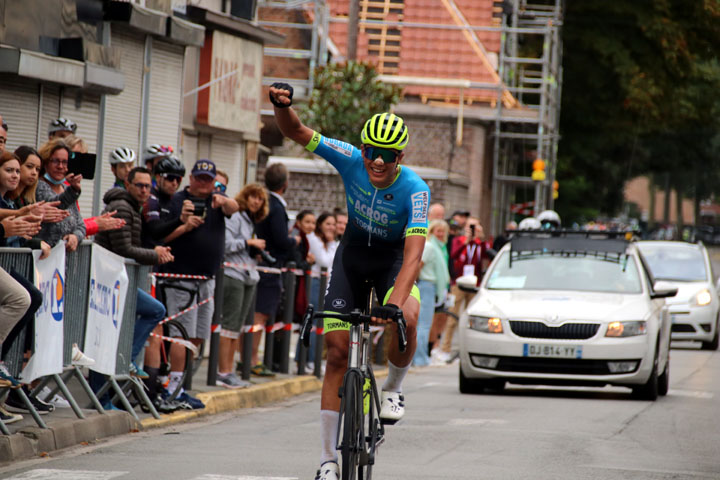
(122, 112)
(228, 155)
(19, 102)
(50, 110)
(84, 109)
(166, 77)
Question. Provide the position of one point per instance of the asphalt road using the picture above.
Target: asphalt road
(524, 433)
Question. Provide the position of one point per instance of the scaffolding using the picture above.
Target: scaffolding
(526, 90)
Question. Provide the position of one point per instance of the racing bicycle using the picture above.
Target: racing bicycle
(360, 430)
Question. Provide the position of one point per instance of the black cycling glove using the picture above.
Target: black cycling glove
(386, 312)
(282, 86)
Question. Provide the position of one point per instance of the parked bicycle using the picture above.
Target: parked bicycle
(360, 430)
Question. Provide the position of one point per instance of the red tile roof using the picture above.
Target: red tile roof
(423, 52)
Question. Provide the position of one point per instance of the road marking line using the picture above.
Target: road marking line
(210, 476)
(475, 421)
(52, 474)
(690, 393)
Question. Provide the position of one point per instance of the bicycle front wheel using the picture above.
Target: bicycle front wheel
(352, 426)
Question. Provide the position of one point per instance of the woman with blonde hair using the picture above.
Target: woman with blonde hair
(241, 277)
(433, 283)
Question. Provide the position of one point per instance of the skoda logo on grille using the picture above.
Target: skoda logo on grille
(554, 320)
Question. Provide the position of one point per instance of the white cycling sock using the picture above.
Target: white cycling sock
(328, 435)
(396, 375)
(175, 378)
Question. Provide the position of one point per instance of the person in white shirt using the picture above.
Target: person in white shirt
(322, 246)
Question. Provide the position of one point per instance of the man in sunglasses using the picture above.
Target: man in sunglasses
(169, 173)
(384, 240)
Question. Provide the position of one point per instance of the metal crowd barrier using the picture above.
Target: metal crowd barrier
(20, 260)
(75, 305)
(138, 277)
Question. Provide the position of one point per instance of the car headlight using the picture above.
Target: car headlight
(703, 297)
(626, 329)
(485, 324)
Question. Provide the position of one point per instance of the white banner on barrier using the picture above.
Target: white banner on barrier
(48, 348)
(106, 303)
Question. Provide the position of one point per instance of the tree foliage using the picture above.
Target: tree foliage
(640, 87)
(344, 96)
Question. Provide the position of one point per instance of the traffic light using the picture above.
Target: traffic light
(538, 173)
(556, 188)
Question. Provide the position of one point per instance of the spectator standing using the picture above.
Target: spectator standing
(240, 282)
(198, 249)
(433, 282)
(436, 211)
(341, 220)
(126, 242)
(304, 226)
(279, 245)
(3, 135)
(221, 182)
(153, 155)
(322, 247)
(169, 172)
(61, 128)
(467, 254)
(52, 187)
(122, 160)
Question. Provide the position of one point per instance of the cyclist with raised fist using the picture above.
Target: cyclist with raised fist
(383, 243)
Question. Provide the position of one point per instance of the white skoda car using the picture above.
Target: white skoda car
(567, 308)
(694, 310)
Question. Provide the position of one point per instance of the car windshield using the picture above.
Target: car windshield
(680, 264)
(554, 272)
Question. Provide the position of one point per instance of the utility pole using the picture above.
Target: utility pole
(353, 29)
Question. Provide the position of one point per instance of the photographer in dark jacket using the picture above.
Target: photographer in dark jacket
(199, 248)
(274, 230)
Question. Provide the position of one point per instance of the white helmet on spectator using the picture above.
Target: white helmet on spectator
(529, 223)
(62, 125)
(122, 155)
(549, 219)
(157, 150)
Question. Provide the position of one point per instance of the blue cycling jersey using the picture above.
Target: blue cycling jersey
(382, 216)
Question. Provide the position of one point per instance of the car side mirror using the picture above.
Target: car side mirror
(467, 283)
(663, 290)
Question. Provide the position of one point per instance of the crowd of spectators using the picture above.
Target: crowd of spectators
(194, 230)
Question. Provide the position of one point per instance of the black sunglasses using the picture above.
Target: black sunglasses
(387, 155)
(172, 178)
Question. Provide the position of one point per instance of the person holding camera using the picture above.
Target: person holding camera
(242, 250)
(466, 255)
(199, 248)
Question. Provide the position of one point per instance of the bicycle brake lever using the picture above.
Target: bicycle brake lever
(402, 331)
(307, 326)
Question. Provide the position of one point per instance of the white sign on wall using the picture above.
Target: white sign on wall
(233, 67)
(47, 358)
(106, 304)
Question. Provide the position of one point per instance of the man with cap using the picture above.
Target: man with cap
(199, 247)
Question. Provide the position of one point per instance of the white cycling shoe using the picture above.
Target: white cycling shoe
(328, 471)
(392, 407)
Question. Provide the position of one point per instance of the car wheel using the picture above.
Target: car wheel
(664, 379)
(649, 391)
(712, 344)
(474, 385)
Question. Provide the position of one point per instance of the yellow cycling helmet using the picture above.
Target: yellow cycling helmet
(385, 130)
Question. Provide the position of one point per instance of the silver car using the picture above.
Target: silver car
(566, 309)
(694, 310)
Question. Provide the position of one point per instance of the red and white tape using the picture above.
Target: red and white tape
(183, 312)
(179, 275)
(185, 343)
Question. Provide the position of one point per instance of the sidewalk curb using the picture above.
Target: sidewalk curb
(31, 442)
(226, 400)
(255, 396)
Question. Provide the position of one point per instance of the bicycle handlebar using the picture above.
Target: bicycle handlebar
(356, 317)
